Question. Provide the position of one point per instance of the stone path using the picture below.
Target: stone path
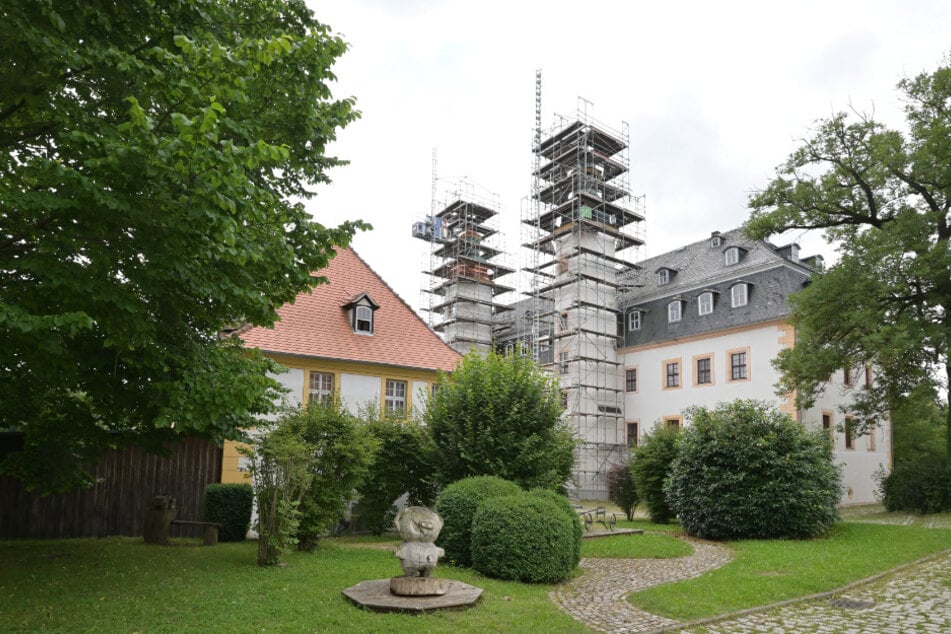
(912, 599)
(915, 598)
(597, 597)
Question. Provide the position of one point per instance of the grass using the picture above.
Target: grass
(646, 546)
(123, 585)
(764, 572)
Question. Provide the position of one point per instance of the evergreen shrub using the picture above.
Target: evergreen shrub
(622, 490)
(650, 466)
(921, 486)
(230, 506)
(746, 470)
(565, 505)
(457, 504)
(525, 537)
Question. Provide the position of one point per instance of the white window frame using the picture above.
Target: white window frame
(674, 312)
(395, 401)
(363, 319)
(731, 256)
(634, 320)
(739, 295)
(663, 277)
(563, 363)
(320, 386)
(705, 303)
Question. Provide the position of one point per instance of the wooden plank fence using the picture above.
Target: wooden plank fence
(128, 480)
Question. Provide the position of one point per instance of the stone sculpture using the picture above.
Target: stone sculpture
(419, 527)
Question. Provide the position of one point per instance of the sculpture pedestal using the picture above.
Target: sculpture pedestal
(418, 586)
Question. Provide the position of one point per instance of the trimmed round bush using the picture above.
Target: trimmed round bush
(565, 505)
(457, 504)
(746, 470)
(230, 506)
(525, 537)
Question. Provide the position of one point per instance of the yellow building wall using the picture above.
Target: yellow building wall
(231, 458)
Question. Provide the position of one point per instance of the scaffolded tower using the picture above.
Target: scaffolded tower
(578, 227)
(462, 273)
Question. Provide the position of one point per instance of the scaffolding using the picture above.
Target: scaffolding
(465, 265)
(581, 227)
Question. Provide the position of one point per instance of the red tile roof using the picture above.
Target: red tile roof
(316, 324)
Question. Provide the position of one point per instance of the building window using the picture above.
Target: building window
(739, 295)
(716, 241)
(672, 421)
(363, 319)
(564, 400)
(321, 389)
(827, 426)
(632, 434)
(849, 433)
(847, 376)
(705, 303)
(738, 366)
(871, 440)
(868, 376)
(704, 374)
(673, 374)
(563, 321)
(395, 402)
(563, 363)
(731, 256)
(673, 311)
(630, 380)
(663, 277)
(634, 320)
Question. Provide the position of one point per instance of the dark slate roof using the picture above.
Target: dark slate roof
(700, 267)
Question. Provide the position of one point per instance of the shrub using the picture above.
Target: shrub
(747, 470)
(922, 486)
(403, 464)
(525, 537)
(230, 506)
(565, 505)
(457, 504)
(650, 466)
(622, 490)
(500, 415)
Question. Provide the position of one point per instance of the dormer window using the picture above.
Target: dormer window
(674, 311)
(716, 241)
(705, 303)
(739, 295)
(634, 320)
(664, 276)
(361, 309)
(731, 256)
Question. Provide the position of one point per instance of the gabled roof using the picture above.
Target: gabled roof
(316, 324)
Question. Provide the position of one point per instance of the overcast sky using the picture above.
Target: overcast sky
(716, 94)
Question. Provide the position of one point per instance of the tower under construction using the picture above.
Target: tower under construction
(581, 222)
(463, 272)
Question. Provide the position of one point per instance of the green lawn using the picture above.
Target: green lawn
(764, 572)
(123, 585)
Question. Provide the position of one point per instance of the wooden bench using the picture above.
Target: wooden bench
(210, 535)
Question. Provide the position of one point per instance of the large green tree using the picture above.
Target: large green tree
(884, 196)
(500, 415)
(154, 157)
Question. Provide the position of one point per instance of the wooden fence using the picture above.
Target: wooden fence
(128, 480)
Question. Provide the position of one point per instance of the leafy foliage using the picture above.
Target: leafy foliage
(650, 466)
(747, 470)
(569, 511)
(279, 461)
(918, 429)
(500, 415)
(457, 504)
(153, 160)
(340, 451)
(884, 196)
(919, 486)
(525, 537)
(229, 505)
(403, 464)
(622, 490)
